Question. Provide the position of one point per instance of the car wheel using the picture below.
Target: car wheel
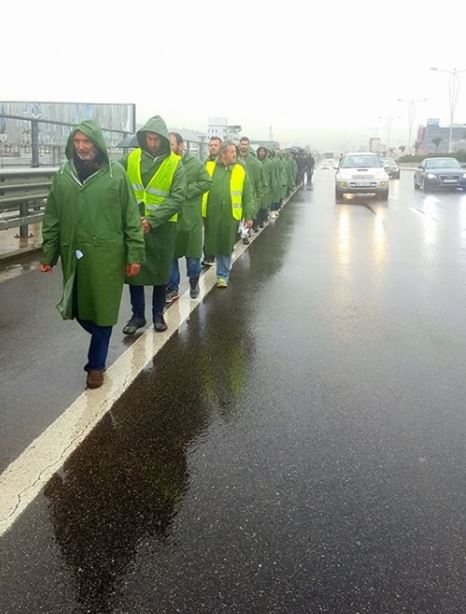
(416, 185)
(338, 195)
(425, 188)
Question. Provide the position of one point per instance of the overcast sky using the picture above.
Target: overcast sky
(319, 73)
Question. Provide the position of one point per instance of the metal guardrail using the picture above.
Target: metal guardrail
(23, 193)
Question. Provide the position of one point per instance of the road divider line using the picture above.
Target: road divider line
(25, 477)
(423, 214)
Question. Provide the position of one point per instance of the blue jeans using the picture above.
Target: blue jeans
(138, 300)
(98, 348)
(223, 266)
(100, 337)
(193, 269)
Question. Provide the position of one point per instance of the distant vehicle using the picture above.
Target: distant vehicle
(439, 173)
(392, 168)
(361, 173)
(327, 164)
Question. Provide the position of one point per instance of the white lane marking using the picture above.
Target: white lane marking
(24, 478)
(423, 214)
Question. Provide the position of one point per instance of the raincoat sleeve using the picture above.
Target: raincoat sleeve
(124, 162)
(248, 200)
(50, 231)
(200, 185)
(264, 183)
(132, 228)
(173, 203)
(261, 188)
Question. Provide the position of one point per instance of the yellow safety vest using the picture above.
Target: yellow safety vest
(238, 175)
(158, 188)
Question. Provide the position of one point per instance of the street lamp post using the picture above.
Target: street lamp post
(411, 115)
(389, 119)
(453, 89)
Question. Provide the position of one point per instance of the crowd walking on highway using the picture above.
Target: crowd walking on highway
(131, 222)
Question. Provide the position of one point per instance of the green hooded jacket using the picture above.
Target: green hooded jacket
(160, 240)
(256, 177)
(94, 228)
(189, 227)
(268, 173)
(220, 226)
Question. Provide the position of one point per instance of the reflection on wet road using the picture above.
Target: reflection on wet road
(298, 446)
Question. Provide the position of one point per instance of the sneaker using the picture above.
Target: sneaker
(133, 325)
(171, 296)
(194, 287)
(245, 240)
(221, 282)
(159, 323)
(95, 378)
(208, 261)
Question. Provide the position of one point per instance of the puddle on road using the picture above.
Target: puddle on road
(14, 269)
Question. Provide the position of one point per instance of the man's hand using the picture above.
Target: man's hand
(45, 268)
(145, 225)
(248, 223)
(132, 269)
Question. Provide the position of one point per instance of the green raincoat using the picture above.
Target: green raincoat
(160, 240)
(220, 226)
(189, 227)
(94, 228)
(283, 177)
(268, 175)
(256, 177)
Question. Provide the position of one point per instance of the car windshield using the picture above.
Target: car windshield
(443, 163)
(361, 161)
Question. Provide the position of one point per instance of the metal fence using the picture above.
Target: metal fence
(33, 153)
(22, 197)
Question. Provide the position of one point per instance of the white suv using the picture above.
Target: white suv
(361, 173)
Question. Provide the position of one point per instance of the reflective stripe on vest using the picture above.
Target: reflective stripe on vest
(238, 175)
(158, 188)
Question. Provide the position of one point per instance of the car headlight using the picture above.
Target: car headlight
(383, 184)
(431, 176)
(342, 184)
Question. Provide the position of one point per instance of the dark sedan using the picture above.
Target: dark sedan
(435, 173)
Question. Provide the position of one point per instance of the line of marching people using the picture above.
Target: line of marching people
(113, 223)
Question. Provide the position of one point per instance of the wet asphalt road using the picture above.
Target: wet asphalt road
(41, 356)
(298, 446)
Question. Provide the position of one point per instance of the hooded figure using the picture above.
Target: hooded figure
(92, 223)
(268, 172)
(159, 185)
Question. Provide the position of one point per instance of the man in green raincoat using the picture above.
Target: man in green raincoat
(92, 223)
(158, 181)
(268, 169)
(228, 201)
(189, 226)
(256, 177)
(214, 147)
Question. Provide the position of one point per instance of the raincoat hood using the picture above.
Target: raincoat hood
(157, 125)
(93, 132)
(266, 149)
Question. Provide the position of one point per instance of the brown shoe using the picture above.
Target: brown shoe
(95, 378)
